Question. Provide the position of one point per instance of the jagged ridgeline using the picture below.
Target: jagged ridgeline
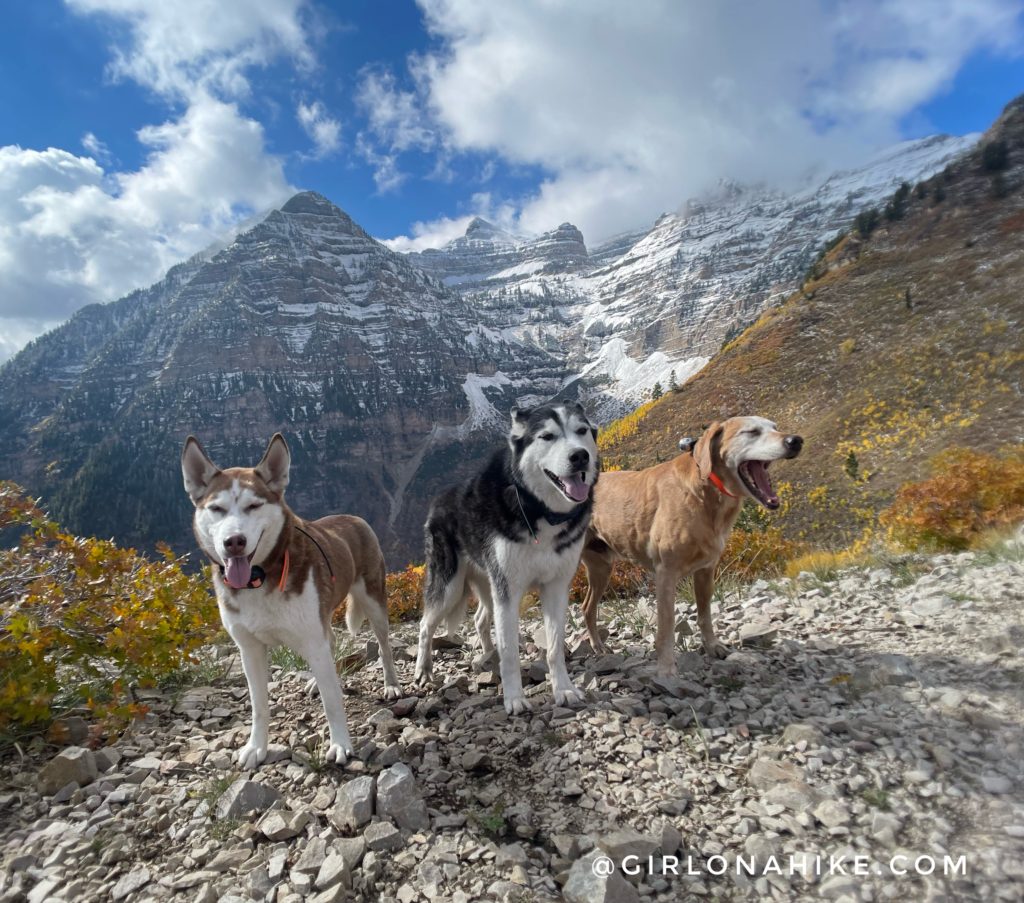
(903, 342)
(392, 374)
(304, 324)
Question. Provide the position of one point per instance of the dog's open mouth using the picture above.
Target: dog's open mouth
(238, 570)
(574, 486)
(754, 475)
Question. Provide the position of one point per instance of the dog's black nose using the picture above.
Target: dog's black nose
(793, 445)
(580, 458)
(235, 545)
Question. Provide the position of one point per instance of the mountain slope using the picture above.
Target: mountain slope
(898, 346)
(642, 305)
(377, 373)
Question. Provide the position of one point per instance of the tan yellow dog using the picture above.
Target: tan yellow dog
(674, 520)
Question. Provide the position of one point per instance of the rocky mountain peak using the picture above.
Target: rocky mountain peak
(318, 212)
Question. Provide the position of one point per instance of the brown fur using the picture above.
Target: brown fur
(349, 543)
(672, 521)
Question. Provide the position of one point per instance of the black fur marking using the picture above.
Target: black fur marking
(465, 520)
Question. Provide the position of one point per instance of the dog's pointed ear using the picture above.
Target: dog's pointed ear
(196, 469)
(705, 452)
(274, 466)
(520, 418)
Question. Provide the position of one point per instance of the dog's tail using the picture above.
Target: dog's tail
(442, 553)
(367, 600)
(355, 614)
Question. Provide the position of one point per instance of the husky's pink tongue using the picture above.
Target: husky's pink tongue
(576, 488)
(238, 572)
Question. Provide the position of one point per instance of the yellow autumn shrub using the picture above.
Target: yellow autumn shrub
(405, 592)
(969, 492)
(83, 621)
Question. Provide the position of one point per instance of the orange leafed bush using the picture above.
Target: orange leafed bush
(83, 621)
(628, 580)
(968, 493)
(405, 592)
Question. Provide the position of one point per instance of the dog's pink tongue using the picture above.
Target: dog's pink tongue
(575, 486)
(238, 572)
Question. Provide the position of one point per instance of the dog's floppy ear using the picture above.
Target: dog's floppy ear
(273, 468)
(519, 420)
(706, 450)
(197, 469)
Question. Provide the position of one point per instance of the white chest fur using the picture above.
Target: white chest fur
(536, 564)
(272, 617)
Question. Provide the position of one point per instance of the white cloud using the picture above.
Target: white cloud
(632, 108)
(393, 115)
(323, 129)
(438, 232)
(96, 148)
(182, 45)
(74, 232)
(71, 234)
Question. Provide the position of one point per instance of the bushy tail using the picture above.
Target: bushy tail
(355, 614)
(442, 554)
(365, 598)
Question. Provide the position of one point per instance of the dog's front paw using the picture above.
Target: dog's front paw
(599, 646)
(311, 689)
(569, 697)
(422, 676)
(251, 756)
(517, 705)
(392, 691)
(339, 753)
(717, 650)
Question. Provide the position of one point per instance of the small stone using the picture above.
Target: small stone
(334, 870)
(474, 760)
(137, 878)
(584, 886)
(351, 850)
(794, 795)
(757, 633)
(312, 858)
(382, 835)
(832, 814)
(245, 796)
(628, 842)
(399, 798)
(354, 803)
(282, 824)
(766, 773)
(807, 733)
(75, 763)
(996, 783)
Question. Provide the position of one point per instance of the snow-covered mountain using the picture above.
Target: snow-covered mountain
(646, 304)
(392, 374)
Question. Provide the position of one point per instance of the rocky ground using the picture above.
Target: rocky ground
(864, 721)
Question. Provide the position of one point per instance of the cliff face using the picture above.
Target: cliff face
(383, 380)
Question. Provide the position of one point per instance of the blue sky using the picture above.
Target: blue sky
(135, 133)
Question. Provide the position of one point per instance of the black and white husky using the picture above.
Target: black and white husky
(517, 525)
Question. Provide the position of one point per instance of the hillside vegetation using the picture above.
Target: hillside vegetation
(904, 341)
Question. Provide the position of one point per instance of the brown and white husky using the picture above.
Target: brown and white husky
(279, 579)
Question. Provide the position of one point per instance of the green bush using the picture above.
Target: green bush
(84, 621)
